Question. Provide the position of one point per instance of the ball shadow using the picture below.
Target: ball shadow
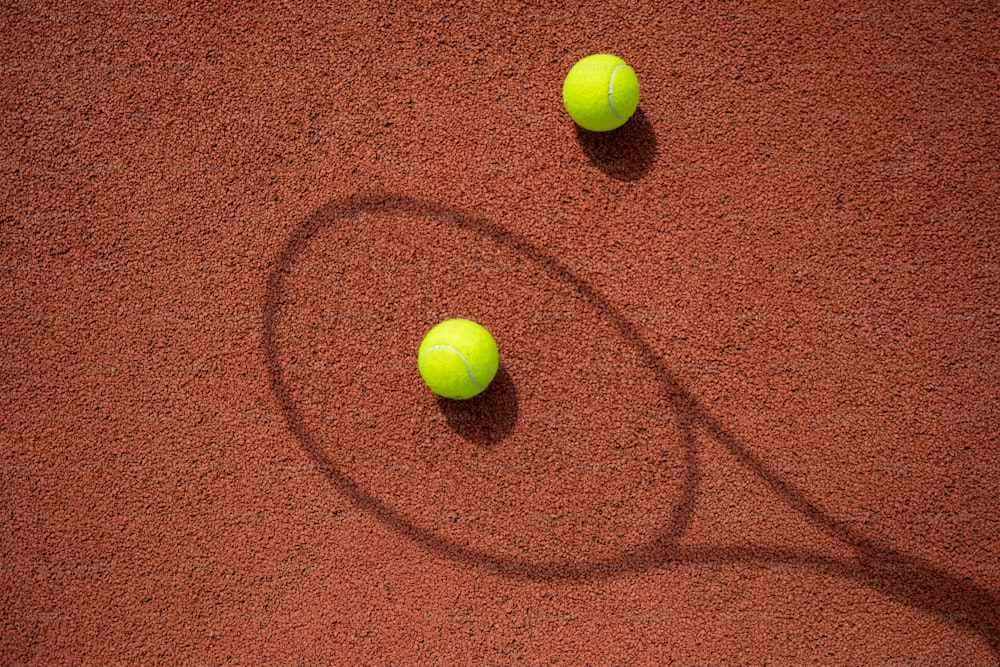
(485, 419)
(627, 153)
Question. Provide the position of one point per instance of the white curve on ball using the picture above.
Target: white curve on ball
(611, 91)
(460, 356)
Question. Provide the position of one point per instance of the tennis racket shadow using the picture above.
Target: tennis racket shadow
(902, 577)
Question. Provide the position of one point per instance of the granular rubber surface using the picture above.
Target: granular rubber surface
(748, 405)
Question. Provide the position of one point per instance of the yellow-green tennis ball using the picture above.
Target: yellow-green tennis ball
(458, 359)
(601, 92)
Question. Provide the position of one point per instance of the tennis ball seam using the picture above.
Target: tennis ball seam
(461, 356)
(611, 91)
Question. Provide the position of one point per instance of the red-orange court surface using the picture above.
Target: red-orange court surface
(748, 398)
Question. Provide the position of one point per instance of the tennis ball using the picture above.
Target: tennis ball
(458, 359)
(601, 92)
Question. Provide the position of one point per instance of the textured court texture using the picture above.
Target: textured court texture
(748, 405)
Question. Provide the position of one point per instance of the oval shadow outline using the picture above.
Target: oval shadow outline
(638, 557)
